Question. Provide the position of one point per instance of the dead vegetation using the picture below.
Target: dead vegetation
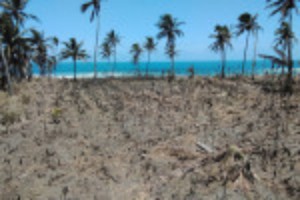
(200, 138)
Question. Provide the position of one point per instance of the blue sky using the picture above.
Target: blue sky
(136, 19)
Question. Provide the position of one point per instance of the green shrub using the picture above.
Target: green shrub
(56, 114)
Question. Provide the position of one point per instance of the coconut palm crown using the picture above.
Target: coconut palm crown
(222, 41)
(75, 51)
(169, 28)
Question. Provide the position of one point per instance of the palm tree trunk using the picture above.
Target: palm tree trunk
(75, 69)
(147, 68)
(115, 59)
(139, 70)
(96, 46)
(284, 49)
(245, 53)
(290, 56)
(223, 63)
(173, 65)
(9, 88)
(23, 69)
(254, 55)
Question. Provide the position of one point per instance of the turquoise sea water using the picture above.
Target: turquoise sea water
(202, 68)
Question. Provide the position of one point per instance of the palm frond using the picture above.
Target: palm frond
(86, 6)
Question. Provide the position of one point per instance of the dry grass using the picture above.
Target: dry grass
(136, 138)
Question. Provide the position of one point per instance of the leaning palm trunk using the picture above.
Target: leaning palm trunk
(9, 88)
(96, 47)
(254, 56)
(245, 53)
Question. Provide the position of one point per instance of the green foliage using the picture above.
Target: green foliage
(247, 23)
(112, 39)
(56, 115)
(282, 7)
(106, 50)
(222, 40)
(169, 28)
(74, 50)
(150, 44)
(95, 5)
(136, 52)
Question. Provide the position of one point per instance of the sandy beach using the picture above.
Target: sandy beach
(203, 138)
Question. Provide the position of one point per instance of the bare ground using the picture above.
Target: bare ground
(149, 139)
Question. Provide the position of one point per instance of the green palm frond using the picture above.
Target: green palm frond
(106, 50)
(95, 5)
(73, 49)
(247, 23)
(283, 7)
(284, 35)
(15, 8)
(222, 37)
(169, 28)
(112, 38)
(136, 51)
(280, 60)
(150, 44)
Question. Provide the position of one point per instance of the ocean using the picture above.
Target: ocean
(122, 69)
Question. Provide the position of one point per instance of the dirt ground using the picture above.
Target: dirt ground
(126, 139)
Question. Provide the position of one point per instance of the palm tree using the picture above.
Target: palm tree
(4, 22)
(51, 64)
(41, 45)
(277, 61)
(23, 51)
(285, 8)
(15, 8)
(169, 28)
(95, 5)
(150, 46)
(113, 39)
(14, 45)
(6, 69)
(255, 32)
(283, 36)
(222, 37)
(247, 24)
(54, 58)
(74, 50)
(106, 51)
(136, 52)
(171, 52)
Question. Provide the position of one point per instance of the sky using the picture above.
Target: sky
(133, 20)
